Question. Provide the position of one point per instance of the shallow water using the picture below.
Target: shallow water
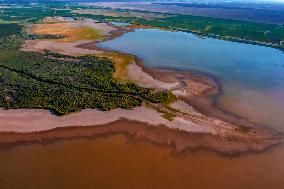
(251, 76)
(117, 162)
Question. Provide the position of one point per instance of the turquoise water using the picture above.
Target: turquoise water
(251, 76)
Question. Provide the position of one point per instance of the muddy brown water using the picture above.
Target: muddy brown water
(119, 162)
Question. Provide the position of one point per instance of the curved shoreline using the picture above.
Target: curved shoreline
(233, 136)
(206, 103)
(214, 36)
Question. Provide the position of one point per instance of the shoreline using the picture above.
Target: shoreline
(235, 39)
(178, 141)
(239, 136)
(205, 35)
(206, 102)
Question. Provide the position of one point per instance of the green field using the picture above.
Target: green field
(24, 13)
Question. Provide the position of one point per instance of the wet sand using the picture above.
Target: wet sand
(177, 140)
(35, 120)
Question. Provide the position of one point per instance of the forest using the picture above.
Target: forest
(63, 83)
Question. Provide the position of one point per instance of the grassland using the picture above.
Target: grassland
(71, 32)
(121, 63)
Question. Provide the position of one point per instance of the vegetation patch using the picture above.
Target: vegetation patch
(118, 13)
(222, 28)
(234, 30)
(33, 13)
(121, 62)
(171, 99)
(70, 33)
(9, 29)
(63, 83)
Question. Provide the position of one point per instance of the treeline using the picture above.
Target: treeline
(243, 31)
(40, 36)
(221, 28)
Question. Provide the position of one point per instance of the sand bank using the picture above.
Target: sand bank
(179, 141)
(25, 120)
(190, 130)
